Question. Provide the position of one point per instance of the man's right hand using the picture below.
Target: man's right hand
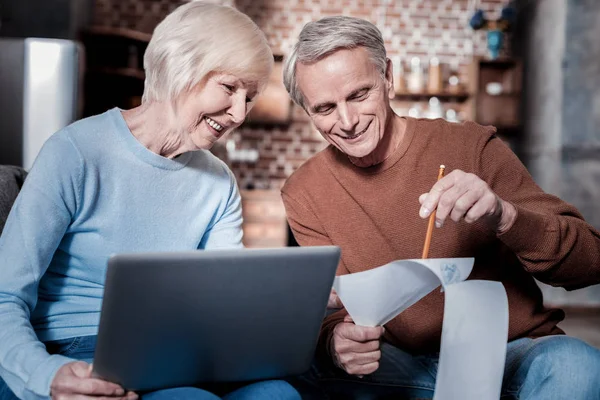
(74, 381)
(355, 349)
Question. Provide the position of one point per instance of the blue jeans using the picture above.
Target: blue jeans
(82, 348)
(548, 368)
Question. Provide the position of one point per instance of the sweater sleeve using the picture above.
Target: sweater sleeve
(226, 230)
(549, 236)
(308, 231)
(36, 224)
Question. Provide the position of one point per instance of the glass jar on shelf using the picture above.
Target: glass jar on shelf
(451, 115)
(454, 84)
(415, 111)
(398, 74)
(415, 81)
(434, 77)
(435, 109)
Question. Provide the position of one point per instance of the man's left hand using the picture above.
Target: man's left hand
(462, 195)
(334, 301)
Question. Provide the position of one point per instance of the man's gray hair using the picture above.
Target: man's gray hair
(320, 38)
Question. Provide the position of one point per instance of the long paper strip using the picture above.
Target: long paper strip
(475, 328)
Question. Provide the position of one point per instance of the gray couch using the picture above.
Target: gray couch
(11, 181)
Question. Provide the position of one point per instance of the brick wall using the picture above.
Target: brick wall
(422, 28)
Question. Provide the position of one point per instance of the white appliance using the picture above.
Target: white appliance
(39, 94)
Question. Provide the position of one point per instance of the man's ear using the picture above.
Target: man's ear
(389, 77)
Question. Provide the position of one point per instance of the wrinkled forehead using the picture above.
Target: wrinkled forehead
(249, 83)
(252, 82)
(337, 74)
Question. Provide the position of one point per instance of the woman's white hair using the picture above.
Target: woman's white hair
(320, 38)
(199, 38)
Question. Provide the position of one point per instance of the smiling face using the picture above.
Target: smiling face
(213, 108)
(348, 101)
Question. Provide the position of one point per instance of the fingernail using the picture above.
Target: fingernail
(424, 212)
(439, 224)
(120, 392)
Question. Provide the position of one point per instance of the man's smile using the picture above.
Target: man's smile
(356, 135)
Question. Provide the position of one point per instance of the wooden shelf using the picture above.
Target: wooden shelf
(443, 96)
(507, 94)
(115, 73)
(501, 110)
(508, 130)
(122, 33)
(124, 72)
(502, 63)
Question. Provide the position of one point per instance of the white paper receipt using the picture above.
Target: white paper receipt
(475, 328)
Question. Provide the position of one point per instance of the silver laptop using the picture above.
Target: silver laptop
(183, 318)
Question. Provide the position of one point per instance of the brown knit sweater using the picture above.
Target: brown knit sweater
(373, 215)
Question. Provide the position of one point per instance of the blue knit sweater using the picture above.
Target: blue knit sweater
(93, 191)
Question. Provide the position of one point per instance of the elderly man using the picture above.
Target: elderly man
(371, 191)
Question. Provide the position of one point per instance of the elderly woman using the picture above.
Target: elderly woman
(127, 180)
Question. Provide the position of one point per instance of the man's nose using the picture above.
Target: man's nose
(348, 118)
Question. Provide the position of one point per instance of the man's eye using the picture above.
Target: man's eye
(359, 95)
(230, 88)
(324, 110)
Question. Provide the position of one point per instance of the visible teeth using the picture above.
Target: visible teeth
(214, 124)
(355, 136)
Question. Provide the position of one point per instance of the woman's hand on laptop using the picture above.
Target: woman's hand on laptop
(74, 381)
(334, 300)
(355, 349)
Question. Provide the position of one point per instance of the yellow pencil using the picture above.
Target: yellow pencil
(431, 221)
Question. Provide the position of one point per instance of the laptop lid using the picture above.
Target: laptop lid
(182, 318)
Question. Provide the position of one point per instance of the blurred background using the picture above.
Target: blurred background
(529, 67)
